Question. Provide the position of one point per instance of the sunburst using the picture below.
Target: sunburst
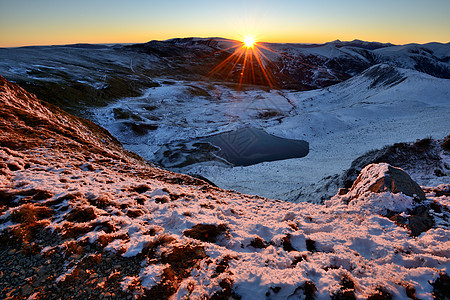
(249, 61)
(250, 64)
(249, 41)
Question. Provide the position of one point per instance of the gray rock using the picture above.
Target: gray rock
(391, 179)
(408, 156)
(419, 220)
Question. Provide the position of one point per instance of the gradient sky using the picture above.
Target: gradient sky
(49, 22)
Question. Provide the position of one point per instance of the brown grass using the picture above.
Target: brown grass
(258, 243)
(206, 232)
(29, 213)
(81, 214)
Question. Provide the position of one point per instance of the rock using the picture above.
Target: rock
(441, 287)
(420, 223)
(408, 156)
(446, 143)
(379, 178)
(141, 128)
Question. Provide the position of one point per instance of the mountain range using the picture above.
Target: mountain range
(162, 96)
(93, 74)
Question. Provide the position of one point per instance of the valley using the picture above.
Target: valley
(160, 97)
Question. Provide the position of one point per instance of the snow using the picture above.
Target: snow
(301, 244)
(324, 51)
(379, 203)
(128, 282)
(369, 248)
(403, 56)
(330, 119)
(151, 275)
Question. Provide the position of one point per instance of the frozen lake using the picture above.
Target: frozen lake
(241, 147)
(248, 146)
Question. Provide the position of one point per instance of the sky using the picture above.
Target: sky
(52, 22)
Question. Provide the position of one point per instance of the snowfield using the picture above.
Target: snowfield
(81, 217)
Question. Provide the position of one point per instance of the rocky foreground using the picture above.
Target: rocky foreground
(80, 217)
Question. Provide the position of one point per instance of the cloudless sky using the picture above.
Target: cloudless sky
(45, 22)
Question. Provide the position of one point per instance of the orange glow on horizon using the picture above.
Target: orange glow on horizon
(47, 22)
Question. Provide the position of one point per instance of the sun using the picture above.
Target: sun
(249, 41)
(247, 64)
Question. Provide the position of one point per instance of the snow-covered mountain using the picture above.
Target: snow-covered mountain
(159, 101)
(77, 75)
(81, 217)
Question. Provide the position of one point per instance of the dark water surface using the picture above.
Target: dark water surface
(249, 146)
(242, 147)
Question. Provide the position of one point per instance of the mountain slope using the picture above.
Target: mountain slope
(81, 217)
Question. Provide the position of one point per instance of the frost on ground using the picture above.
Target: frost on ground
(81, 217)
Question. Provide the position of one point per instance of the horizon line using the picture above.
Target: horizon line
(212, 38)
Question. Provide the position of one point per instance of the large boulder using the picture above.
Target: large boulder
(378, 189)
(379, 178)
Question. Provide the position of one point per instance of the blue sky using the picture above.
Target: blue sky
(32, 22)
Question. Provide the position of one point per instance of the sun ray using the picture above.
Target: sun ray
(249, 61)
(263, 69)
(252, 63)
(238, 58)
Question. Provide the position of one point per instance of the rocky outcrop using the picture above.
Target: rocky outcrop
(423, 154)
(375, 189)
(385, 178)
(380, 189)
(26, 122)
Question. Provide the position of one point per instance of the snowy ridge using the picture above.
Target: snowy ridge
(107, 224)
(404, 55)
